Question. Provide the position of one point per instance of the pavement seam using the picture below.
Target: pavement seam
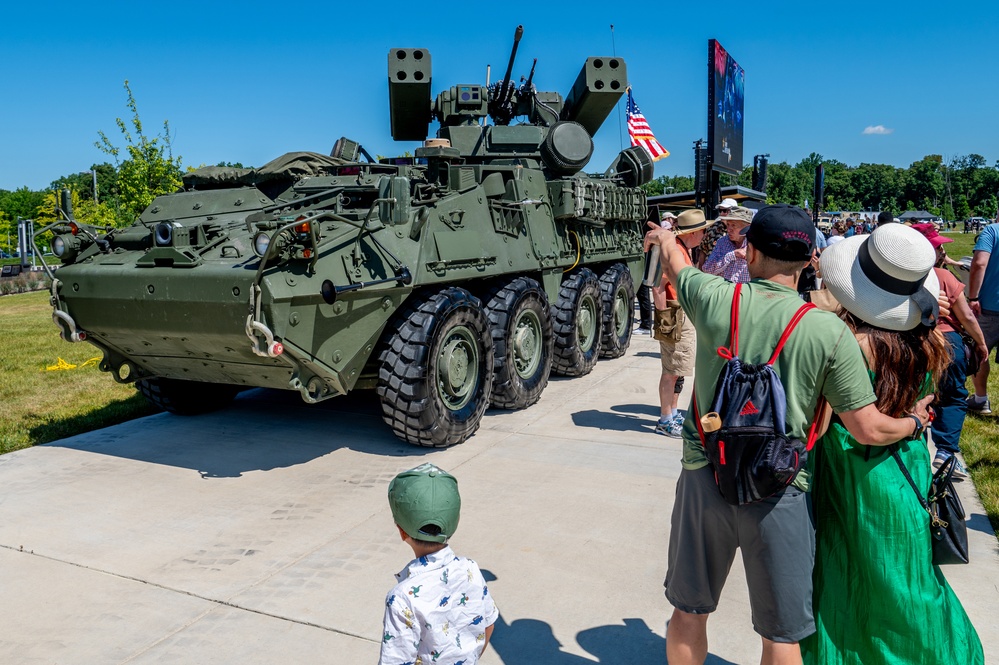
(216, 601)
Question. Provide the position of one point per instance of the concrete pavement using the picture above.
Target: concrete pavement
(261, 534)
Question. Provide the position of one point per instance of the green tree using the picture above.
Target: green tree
(924, 184)
(8, 232)
(146, 166)
(876, 186)
(839, 192)
(786, 184)
(669, 185)
(85, 211)
(83, 182)
(20, 203)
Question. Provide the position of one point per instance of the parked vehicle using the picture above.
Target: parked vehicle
(448, 281)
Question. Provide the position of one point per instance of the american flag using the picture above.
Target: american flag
(640, 132)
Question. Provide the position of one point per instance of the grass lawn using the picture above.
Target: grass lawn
(37, 405)
(980, 438)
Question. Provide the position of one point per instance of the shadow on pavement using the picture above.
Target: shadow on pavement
(651, 410)
(260, 431)
(532, 642)
(623, 418)
(980, 522)
(603, 420)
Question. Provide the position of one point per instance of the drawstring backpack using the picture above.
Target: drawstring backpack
(744, 434)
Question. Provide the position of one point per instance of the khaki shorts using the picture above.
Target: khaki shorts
(678, 357)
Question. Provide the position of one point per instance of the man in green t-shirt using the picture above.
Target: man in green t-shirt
(776, 536)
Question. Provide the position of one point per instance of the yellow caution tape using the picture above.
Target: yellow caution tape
(62, 364)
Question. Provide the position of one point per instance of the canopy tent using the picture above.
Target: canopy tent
(917, 216)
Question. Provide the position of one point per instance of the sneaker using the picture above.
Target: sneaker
(670, 427)
(642, 331)
(960, 473)
(979, 406)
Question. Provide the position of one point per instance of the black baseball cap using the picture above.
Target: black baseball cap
(783, 232)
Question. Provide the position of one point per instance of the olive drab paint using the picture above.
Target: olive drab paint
(447, 281)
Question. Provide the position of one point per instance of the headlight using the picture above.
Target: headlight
(261, 242)
(66, 247)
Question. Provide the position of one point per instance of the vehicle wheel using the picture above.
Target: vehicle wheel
(187, 398)
(618, 292)
(521, 326)
(436, 379)
(577, 325)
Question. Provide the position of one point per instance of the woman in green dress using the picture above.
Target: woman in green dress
(878, 596)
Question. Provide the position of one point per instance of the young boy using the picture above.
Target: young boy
(440, 611)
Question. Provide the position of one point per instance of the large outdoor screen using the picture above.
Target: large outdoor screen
(726, 96)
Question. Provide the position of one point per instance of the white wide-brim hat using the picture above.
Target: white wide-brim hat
(886, 278)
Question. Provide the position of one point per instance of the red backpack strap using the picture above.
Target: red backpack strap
(732, 350)
(813, 430)
(804, 309)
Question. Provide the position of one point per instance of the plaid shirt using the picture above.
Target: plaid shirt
(722, 261)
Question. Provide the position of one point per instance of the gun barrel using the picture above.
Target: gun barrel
(513, 55)
(530, 77)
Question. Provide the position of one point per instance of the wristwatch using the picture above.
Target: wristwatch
(919, 425)
(975, 299)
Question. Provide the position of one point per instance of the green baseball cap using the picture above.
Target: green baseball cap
(423, 496)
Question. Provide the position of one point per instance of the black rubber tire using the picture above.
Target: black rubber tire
(434, 336)
(186, 398)
(521, 326)
(577, 324)
(618, 290)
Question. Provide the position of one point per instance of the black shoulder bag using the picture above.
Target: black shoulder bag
(948, 530)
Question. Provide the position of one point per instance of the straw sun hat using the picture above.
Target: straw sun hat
(690, 221)
(886, 278)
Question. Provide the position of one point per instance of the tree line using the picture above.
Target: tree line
(963, 187)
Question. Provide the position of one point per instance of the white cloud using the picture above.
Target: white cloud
(877, 129)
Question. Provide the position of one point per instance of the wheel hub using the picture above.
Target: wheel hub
(526, 344)
(621, 305)
(586, 324)
(456, 373)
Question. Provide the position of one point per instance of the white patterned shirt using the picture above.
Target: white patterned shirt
(437, 613)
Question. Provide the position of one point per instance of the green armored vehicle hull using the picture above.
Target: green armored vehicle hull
(447, 282)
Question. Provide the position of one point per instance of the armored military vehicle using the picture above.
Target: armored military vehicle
(447, 281)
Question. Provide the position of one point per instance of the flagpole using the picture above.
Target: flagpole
(620, 129)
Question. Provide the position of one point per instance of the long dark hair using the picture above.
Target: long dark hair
(903, 361)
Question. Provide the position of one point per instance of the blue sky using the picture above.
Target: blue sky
(246, 82)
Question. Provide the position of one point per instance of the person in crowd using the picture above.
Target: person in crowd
(646, 310)
(885, 217)
(878, 598)
(951, 404)
(440, 606)
(983, 295)
(677, 355)
(728, 258)
(851, 228)
(716, 229)
(821, 359)
(836, 233)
